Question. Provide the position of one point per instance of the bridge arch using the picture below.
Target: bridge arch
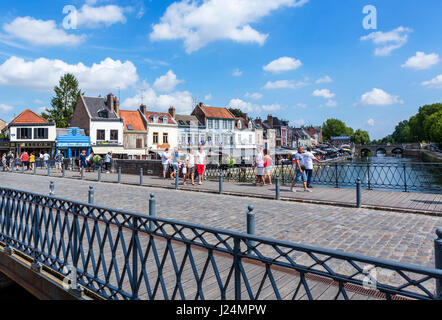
(381, 151)
(397, 151)
(365, 152)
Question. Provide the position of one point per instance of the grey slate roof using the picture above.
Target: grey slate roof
(185, 120)
(94, 105)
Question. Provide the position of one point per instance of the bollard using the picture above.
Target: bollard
(35, 168)
(63, 171)
(119, 175)
(49, 170)
(438, 261)
(152, 211)
(82, 173)
(358, 193)
(177, 180)
(91, 195)
(141, 176)
(99, 174)
(22, 168)
(251, 227)
(278, 188)
(51, 188)
(221, 182)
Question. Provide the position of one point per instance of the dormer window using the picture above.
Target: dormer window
(239, 124)
(103, 113)
(165, 120)
(155, 119)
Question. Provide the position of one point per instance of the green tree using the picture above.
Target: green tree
(335, 128)
(360, 137)
(433, 127)
(64, 102)
(418, 131)
(236, 112)
(402, 133)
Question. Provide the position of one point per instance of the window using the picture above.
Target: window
(183, 139)
(165, 138)
(216, 124)
(114, 135)
(103, 113)
(165, 120)
(224, 124)
(196, 141)
(155, 138)
(203, 139)
(101, 135)
(239, 124)
(216, 139)
(189, 139)
(24, 133)
(139, 143)
(209, 140)
(210, 123)
(230, 124)
(239, 139)
(40, 133)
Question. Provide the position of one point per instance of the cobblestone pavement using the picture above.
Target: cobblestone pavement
(383, 234)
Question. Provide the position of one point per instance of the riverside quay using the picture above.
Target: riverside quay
(72, 234)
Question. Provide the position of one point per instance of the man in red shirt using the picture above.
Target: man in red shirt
(25, 159)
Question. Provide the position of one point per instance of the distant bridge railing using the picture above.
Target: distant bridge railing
(410, 176)
(124, 255)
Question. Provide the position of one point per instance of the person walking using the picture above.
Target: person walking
(46, 158)
(299, 167)
(107, 162)
(58, 161)
(89, 162)
(32, 161)
(267, 167)
(259, 165)
(25, 159)
(201, 161)
(9, 160)
(165, 160)
(82, 163)
(5, 168)
(17, 162)
(190, 164)
(175, 164)
(308, 159)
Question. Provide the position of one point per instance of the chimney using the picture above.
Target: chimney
(201, 104)
(117, 106)
(246, 117)
(270, 120)
(110, 102)
(172, 112)
(258, 121)
(143, 109)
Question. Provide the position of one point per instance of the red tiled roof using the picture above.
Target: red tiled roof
(133, 118)
(212, 112)
(159, 115)
(28, 116)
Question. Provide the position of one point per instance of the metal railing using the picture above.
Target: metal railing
(412, 176)
(124, 255)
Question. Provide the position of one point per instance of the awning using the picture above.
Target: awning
(105, 150)
(134, 152)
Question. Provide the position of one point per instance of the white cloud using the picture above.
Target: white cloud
(434, 83)
(5, 108)
(181, 100)
(198, 23)
(387, 42)
(301, 105)
(325, 79)
(282, 64)
(331, 104)
(237, 73)
(94, 17)
(378, 97)
(40, 32)
(167, 82)
(43, 74)
(299, 122)
(38, 101)
(253, 108)
(422, 61)
(254, 96)
(370, 122)
(284, 84)
(324, 93)
(208, 97)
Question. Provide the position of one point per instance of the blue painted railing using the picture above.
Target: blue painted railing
(125, 255)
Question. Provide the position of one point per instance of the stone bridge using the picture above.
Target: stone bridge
(388, 150)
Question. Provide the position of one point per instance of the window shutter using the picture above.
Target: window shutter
(46, 131)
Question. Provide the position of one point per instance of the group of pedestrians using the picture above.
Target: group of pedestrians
(88, 162)
(263, 165)
(304, 169)
(194, 163)
(11, 161)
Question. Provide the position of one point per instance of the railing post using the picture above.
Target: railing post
(438, 261)
(141, 176)
(82, 173)
(99, 174)
(358, 193)
(405, 178)
(134, 280)
(91, 195)
(368, 178)
(51, 188)
(63, 170)
(236, 263)
(36, 265)
(282, 173)
(177, 179)
(221, 182)
(49, 169)
(251, 226)
(119, 175)
(22, 168)
(8, 224)
(336, 175)
(278, 187)
(35, 168)
(152, 211)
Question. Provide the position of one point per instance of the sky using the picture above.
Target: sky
(370, 63)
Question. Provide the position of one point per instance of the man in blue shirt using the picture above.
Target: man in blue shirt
(107, 162)
(300, 171)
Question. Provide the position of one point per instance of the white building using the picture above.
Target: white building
(245, 139)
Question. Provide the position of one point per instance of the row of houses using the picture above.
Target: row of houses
(99, 125)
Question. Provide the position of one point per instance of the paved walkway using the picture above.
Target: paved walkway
(378, 233)
(386, 200)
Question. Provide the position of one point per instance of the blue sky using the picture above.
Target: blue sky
(302, 60)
